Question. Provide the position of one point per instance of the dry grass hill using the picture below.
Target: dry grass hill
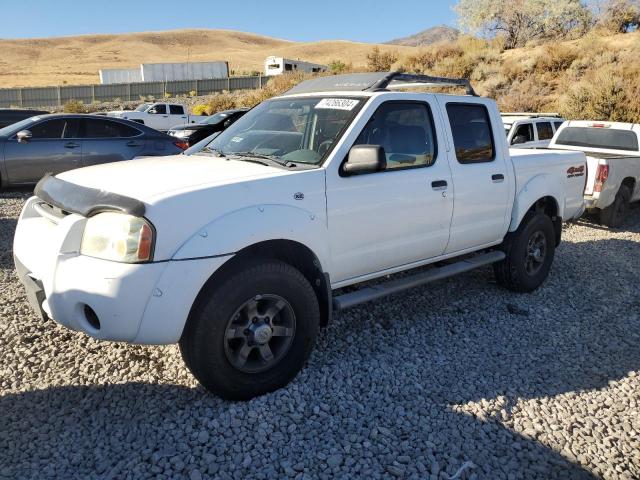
(77, 59)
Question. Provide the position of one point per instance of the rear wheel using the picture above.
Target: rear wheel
(529, 254)
(613, 216)
(252, 333)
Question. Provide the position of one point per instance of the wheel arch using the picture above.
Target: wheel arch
(291, 252)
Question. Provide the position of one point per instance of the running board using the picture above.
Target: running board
(375, 292)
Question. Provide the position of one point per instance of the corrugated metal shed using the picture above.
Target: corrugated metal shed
(120, 75)
(161, 72)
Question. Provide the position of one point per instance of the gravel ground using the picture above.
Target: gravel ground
(457, 380)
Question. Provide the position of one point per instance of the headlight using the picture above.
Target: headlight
(182, 133)
(118, 237)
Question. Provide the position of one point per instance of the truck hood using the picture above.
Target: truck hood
(148, 179)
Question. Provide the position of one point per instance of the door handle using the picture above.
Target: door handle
(497, 177)
(71, 145)
(165, 116)
(439, 184)
(133, 144)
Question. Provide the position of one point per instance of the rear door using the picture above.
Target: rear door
(544, 131)
(482, 176)
(176, 116)
(105, 141)
(53, 148)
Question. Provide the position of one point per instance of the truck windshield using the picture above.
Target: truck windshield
(143, 108)
(605, 138)
(291, 131)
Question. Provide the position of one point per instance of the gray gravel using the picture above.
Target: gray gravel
(460, 379)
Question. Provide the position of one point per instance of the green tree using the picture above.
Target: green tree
(519, 21)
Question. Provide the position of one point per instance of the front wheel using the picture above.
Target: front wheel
(252, 333)
(529, 254)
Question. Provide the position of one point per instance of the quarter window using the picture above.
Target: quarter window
(471, 130)
(545, 132)
(405, 131)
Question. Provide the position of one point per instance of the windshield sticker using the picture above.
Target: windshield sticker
(237, 139)
(338, 103)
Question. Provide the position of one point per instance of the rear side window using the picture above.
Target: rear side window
(523, 134)
(471, 130)
(405, 131)
(607, 138)
(545, 132)
(176, 109)
(98, 128)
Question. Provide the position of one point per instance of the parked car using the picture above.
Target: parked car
(161, 116)
(56, 143)
(239, 253)
(530, 130)
(192, 133)
(9, 116)
(613, 165)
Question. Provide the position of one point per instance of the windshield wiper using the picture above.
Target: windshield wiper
(213, 151)
(250, 156)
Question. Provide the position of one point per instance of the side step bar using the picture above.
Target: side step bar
(375, 292)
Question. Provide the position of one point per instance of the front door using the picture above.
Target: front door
(378, 221)
(54, 147)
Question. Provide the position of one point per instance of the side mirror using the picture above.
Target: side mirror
(24, 136)
(519, 140)
(365, 159)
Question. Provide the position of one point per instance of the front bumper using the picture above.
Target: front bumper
(137, 303)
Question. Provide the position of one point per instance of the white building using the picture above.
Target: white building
(279, 65)
(165, 72)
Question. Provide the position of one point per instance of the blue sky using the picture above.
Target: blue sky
(301, 20)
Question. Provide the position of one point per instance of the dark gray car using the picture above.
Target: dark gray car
(55, 143)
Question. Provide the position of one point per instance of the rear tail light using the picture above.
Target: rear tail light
(602, 173)
(182, 145)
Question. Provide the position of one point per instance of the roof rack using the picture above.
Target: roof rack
(530, 114)
(376, 82)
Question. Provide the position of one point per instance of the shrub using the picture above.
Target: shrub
(201, 110)
(555, 58)
(193, 93)
(74, 106)
(378, 61)
(337, 66)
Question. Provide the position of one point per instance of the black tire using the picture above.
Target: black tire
(514, 272)
(209, 353)
(613, 216)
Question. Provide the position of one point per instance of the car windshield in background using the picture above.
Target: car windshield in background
(217, 118)
(289, 131)
(143, 108)
(606, 138)
(15, 127)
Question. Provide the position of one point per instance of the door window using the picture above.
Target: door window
(405, 131)
(545, 132)
(471, 130)
(98, 128)
(57, 128)
(523, 134)
(160, 109)
(176, 109)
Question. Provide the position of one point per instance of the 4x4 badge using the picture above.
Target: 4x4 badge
(298, 196)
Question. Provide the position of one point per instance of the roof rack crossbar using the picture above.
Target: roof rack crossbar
(411, 79)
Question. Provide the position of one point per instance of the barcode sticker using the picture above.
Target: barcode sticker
(338, 103)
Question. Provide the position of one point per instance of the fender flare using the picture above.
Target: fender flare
(540, 186)
(248, 226)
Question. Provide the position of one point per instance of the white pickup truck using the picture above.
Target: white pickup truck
(613, 165)
(241, 251)
(161, 116)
